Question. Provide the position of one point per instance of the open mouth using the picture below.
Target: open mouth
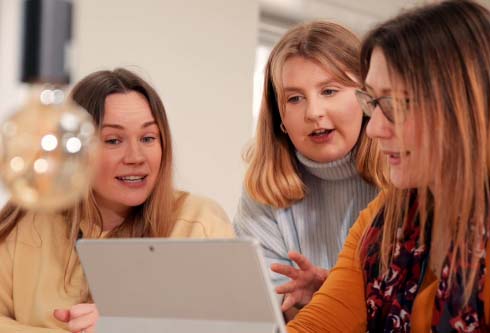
(394, 155)
(397, 155)
(395, 158)
(321, 132)
(131, 179)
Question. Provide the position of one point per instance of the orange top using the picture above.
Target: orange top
(340, 304)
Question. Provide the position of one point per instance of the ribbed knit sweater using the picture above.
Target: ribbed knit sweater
(317, 225)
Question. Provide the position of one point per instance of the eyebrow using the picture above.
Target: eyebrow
(322, 83)
(116, 126)
(384, 92)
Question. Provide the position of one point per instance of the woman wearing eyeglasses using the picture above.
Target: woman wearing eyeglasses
(416, 259)
(311, 169)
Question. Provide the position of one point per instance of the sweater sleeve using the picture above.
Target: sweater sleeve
(8, 324)
(201, 217)
(339, 305)
(257, 221)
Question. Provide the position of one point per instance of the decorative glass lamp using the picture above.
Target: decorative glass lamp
(48, 146)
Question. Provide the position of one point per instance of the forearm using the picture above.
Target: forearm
(337, 307)
(9, 325)
(340, 304)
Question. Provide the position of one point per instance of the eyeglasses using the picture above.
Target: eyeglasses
(386, 105)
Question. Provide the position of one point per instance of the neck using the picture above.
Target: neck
(112, 216)
(112, 219)
(340, 169)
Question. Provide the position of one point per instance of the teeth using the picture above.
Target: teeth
(132, 178)
(320, 131)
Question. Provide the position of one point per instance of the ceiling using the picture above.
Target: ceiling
(358, 15)
(300, 9)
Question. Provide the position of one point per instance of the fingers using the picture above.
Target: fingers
(62, 315)
(288, 287)
(286, 270)
(83, 317)
(289, 302)
(82, 309)
(323, 273)
(302, 262)
(84, 322)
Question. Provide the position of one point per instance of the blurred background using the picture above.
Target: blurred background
(205, 58)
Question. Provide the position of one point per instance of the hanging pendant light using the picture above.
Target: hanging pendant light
(47, 147)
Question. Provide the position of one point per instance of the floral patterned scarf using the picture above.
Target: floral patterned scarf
(390, 297)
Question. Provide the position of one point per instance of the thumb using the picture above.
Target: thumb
(323, 273)
(62, 315)
(288, 303)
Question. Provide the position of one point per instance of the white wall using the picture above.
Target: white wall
(10, 31)
(11, 91)
(200, 56)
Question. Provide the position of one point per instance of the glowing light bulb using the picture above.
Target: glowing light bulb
(47, 152)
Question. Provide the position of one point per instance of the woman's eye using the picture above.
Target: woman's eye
(329, 92)
(148, 139)
(112, 141)
(294, 99)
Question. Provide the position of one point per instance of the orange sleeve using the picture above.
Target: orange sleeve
(339, 305)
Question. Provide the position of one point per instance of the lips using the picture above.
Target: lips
(395, 154)
(321, 135)
(131, 178)
(394, 157)
(320, 132)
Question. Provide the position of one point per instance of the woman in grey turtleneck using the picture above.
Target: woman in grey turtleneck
(312, 168)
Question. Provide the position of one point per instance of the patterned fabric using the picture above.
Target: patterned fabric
(390, 296)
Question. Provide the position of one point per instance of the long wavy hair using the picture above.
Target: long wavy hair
(153, 218)
(272, 177)
(440, 55)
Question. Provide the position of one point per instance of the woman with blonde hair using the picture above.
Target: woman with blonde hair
(311, 169)
(416, 260)
(42, 286)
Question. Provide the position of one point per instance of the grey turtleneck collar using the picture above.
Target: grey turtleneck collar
(335, 170)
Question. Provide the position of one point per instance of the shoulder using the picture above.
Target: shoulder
(350, 250)
(198, 216)
(32, 228)
(195, 207)
(251, 214)
(248, 206)
(368, 214)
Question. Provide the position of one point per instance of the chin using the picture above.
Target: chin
(134, 202)
(402, 181)
(329, 157)
(399, 184)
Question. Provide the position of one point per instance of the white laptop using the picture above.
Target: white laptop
(159, 285)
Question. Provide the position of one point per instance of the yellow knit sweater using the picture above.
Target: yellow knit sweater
(38, 275)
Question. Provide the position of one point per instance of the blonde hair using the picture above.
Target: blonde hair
(431, 51)
(273, 177)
